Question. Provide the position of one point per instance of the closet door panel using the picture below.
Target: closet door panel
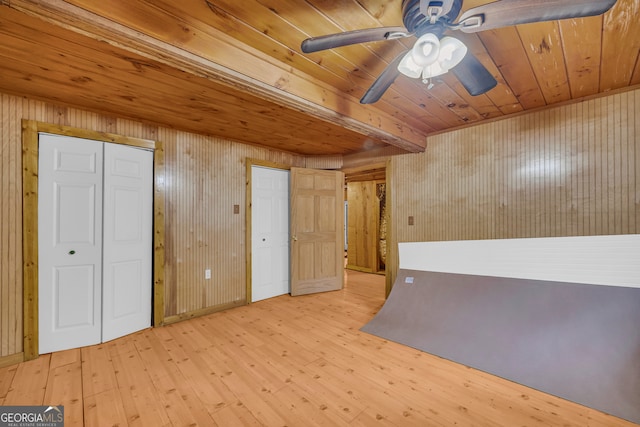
(128, 228)
(70, 242)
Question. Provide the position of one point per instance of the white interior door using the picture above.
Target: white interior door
(95, 221)
(127, 237)
(70, 242)
(270, 232)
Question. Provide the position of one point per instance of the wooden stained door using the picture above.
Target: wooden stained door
(317, 225)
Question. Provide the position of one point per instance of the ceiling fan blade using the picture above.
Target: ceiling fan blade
(475, 78)
(315, 44)
(384, 80)
(513, 12)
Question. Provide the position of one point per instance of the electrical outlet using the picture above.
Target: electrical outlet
(207, 274)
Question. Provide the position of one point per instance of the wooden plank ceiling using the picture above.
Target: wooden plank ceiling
(234, 69)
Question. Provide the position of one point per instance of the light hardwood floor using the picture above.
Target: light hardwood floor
(294, 361)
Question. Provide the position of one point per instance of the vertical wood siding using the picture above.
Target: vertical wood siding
(323, 162)
(205, 178)
(568, 171)
(363, 225)
(10, 227)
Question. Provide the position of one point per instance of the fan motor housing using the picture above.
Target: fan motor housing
(419, 24)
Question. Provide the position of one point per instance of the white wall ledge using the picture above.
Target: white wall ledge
(598, 260)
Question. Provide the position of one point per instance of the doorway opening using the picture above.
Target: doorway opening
(315, 239)
(270, 229)
(367, 218)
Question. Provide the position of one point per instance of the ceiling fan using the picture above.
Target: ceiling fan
(433, 55)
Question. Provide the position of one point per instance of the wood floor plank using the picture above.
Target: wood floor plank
(366, 419)
(236, 415)
(257, 400)
(244, 324)
(282, 361)
(136, 388)
(176, 397)
(204, 381)
(98, 374)
(310, 408)
(6, 378)
(66, 357)
(29, 382)
(105, 409)
(393, 400)
(329, 393)
(508, 400)
(253, 366)
(64, 385)
(254, 390)
(248, 386)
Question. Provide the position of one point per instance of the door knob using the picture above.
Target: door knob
(71, 252)
(294, 238)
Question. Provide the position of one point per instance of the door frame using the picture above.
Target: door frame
(392, 262)
(248, 201)
(30, 131)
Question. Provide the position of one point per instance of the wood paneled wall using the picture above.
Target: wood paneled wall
(10, 226)
(205, 178)
(367, 158)
(572, 170)
(323, 162)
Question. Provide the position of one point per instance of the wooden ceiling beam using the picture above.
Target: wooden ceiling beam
(208, 52)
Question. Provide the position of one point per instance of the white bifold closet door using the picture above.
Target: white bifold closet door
(95, 222)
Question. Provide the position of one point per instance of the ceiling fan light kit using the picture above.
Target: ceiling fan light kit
(432, 55)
